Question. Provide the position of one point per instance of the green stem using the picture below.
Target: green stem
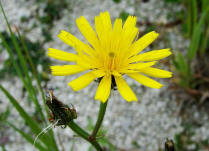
(100, 118)
(78, 130)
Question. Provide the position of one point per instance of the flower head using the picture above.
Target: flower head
(110, 53)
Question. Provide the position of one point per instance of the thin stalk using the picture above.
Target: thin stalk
(100, 118)
(78, 130)
(27, 83)
(24, 65)
(204, 44)
(34, 70)
(17, 68)
(35, 74)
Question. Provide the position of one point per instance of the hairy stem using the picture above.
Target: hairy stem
(100, 118)
(78, 130)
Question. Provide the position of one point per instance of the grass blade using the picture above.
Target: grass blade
(28, 137)
(23, 65)
(205, 4)
(17, 68)
(194, 45)
(194, 11)
(205, 42)
(28, 83)
(182, 64)
(35, 73)
(34, 70)
(31, 123)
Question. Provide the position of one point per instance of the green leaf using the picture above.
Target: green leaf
(17, 68)
(3, 148)
(49, 141)
(194, 12)
(194, 45)
(23, 64)
(31, 123)
(4, 115)
(34, 70)
(182, 64)
(204, 42)
(28, 137)
(205, 4)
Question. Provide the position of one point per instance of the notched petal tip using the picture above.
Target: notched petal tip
(80, 19)
(154, 33)
(144, 80)
(73, 88)
(160, 86)
(169, 51)
(169, 74)
(104, 13)
(61, 33)
(133, 100)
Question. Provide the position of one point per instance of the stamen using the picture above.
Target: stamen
(111, 54)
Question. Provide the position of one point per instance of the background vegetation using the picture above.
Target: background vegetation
(191, 74)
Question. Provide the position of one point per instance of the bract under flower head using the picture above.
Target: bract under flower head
(110, 51)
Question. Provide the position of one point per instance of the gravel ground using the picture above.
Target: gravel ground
(148, 122)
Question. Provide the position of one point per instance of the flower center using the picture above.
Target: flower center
(111, 61)
(111, 54)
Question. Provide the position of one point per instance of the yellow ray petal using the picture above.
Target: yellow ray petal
(127, 39)
(145, 80)
(103, 24)
(124, 90)
(103, 28)
(130, 22)
(103, 90)
(117, 27)
(74, 42)
(85, 61)
(106, 20)
(151, 56)
(66, 70)
(116, 36)
(98, 27)
(87, 31)
(134, 68)
(129, 32)
(69, 39)
(157, 73)
(137, 66)
(61, 55)
(84, 80)
(143, 42)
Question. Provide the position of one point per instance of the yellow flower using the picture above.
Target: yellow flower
(110, 53)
